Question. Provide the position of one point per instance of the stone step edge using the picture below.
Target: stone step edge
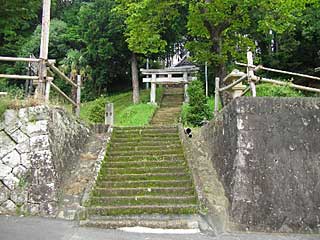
(148, 189)
(148, 174)
(144, 156)
(176, 206)
(143, 151)
(146, 162)
(155, 197)
(163, 224)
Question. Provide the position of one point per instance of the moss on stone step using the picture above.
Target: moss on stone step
(145, 158)
(148, 184)
(150, 209)
(132, 177)
(144, 170)
(169, 191)
(146, 153)
(142, 200)
(146, 164)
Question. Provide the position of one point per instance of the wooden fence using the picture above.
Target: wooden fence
(48, 81)
(235, 79)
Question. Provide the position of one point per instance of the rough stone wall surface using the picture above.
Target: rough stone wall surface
(38, 145)
(267, 154)
(213, 203)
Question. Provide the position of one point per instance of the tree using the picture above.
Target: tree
(105, 49)
(147, 23)
(17, 18)
(225, 27)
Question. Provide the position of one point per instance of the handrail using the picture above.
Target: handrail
(24, 77)
(278, 71)
(61, 74)
(21, 59)
(63, 94)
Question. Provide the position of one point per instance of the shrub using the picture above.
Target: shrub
(97, 110)
(197, 110)
(270, 90)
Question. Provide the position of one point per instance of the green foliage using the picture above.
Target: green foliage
(106, 52)
(4, 104)
(198, 109)
(269, 90)
(223, 30)
(16, 20)
(152, 25)
(58, 43)
(97, 110)
(125, 113)
(136, 115)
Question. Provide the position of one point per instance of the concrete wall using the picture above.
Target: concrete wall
(267, 155)
(38, 146)
(213, 203)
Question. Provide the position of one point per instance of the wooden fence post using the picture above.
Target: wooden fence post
(78, 100)
(40, 93)
(109, 114)
(206, 78)
(216, 96)
(48, 87)
(250, 73)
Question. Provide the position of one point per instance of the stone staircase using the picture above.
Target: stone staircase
(170, 107)
(144, 179)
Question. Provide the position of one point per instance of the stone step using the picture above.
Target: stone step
(163, 122)
(141, 170)
(170, 191)
(147, 177)
(145, 144)
(145, 153)
(142, 200)
(143, 157)
(165, 105)
(123, 147)
(145, 128)
(172, 98)
(148, 183)
(144, 135)
(165, 119)
(149, 221)
(145, 163)
(153, 130)
(145, 209)
(144, 139)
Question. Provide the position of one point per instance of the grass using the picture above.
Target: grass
(135, 115)
(125, 112)
(11, 102)
(4, 105)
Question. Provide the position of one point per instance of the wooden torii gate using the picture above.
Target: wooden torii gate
(175, 75)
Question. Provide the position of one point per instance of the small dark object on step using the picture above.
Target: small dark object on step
(187, 131)
(204, 122)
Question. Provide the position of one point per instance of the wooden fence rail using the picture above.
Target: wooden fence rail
(20, 77)
(61, 75)
(47, 81)
(252, 79)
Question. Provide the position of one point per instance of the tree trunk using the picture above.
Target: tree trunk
(135, 80)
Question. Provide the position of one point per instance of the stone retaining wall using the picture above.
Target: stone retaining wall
(38, 146)
(267, 155)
